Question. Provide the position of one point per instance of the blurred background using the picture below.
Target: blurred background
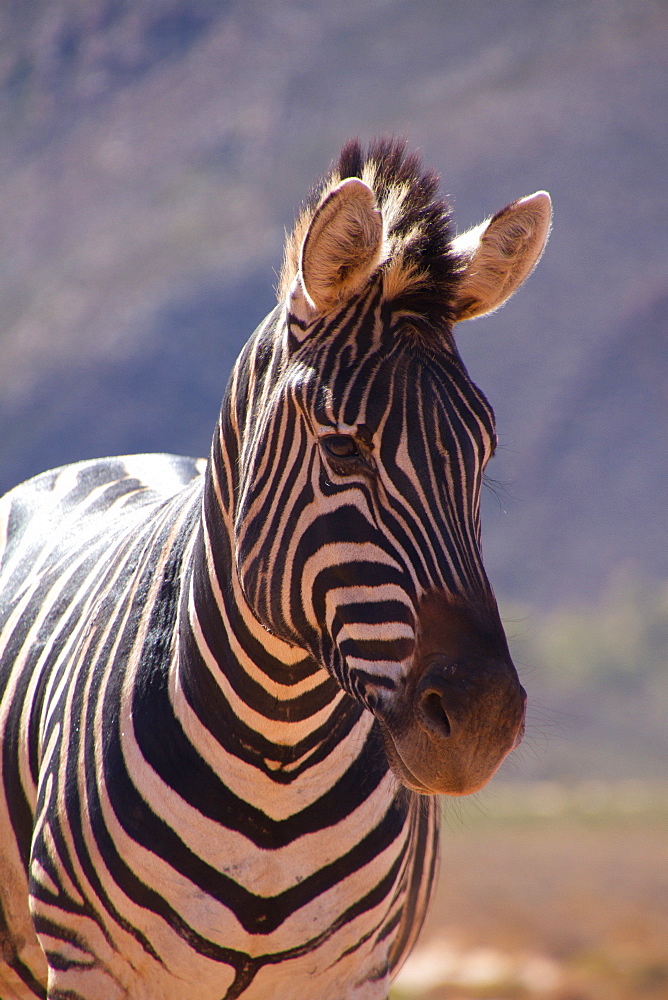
(152, 154)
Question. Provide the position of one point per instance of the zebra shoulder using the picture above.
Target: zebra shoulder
(36, 506)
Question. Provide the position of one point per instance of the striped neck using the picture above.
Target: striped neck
(257, 696)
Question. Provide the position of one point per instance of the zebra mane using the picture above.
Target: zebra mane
(419, 269)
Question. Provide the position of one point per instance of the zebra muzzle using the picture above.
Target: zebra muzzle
(463, 707)
(462, 720)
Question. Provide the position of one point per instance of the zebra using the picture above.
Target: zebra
(232, 691)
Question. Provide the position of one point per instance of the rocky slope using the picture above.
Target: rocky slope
(153, 153)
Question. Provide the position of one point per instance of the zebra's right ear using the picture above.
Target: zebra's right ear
(341, 250)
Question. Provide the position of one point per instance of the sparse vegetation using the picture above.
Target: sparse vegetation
(598, 683)
(547, 908)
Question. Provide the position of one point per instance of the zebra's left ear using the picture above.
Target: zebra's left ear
(342, 248)
(500, 254)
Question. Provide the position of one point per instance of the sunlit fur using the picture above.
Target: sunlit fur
(419, 270)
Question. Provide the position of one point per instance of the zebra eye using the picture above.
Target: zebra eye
(340, 445)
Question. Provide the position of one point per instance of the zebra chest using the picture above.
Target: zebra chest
(199, 867)
(188, 900)
(163, 860)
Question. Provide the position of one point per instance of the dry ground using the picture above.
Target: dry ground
(568, 906)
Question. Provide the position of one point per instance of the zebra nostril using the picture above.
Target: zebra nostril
(432, 715)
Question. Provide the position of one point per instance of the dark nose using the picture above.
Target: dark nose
(442, 698)
(454, 700)
(431, 709)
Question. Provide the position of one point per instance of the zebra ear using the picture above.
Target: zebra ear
(342, 247)
(500, 254)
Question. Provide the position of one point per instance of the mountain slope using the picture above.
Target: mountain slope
(153, 153)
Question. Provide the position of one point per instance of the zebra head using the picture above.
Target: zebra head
(361, 447)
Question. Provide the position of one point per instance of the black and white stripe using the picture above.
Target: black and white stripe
(230, 689)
